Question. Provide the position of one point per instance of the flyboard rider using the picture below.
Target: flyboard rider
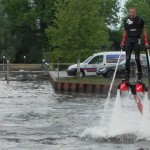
(134, 30)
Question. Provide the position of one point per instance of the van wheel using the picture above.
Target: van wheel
(110, 74)
(82, 74)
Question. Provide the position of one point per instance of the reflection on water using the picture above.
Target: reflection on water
(33, 117)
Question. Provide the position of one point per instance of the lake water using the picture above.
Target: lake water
(34, 117)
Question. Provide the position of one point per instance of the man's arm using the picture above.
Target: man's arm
(145, 36)
(124, 36)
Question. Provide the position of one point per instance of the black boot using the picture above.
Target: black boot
(139, 77)
(127, 77)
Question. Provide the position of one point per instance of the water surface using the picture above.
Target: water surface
(34, 117)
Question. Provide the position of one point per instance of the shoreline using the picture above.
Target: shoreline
(79, 88)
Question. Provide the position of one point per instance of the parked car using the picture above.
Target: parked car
(90, 65)
(109, 70)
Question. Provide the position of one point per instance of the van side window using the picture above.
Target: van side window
(114, 58)
(97, 60)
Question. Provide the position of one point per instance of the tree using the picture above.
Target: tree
(109, 9)
(6, 38)
(28, 20)
(25, 22)
(78, 26)
(45, 13)
(115, 37)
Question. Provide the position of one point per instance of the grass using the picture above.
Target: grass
(89, 79)
(96, 80)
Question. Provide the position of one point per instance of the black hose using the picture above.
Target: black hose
(148, 67)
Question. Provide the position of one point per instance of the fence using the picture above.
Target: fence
(17, 67)
(36, 67)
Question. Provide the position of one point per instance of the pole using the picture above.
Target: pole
(43, 64)
(148, 66)
(58, 66)
(78, 64)
(24, 59)
(3, 63)
(7, 71)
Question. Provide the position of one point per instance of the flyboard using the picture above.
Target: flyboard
(137, 89)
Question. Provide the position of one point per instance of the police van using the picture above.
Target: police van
(90, 65)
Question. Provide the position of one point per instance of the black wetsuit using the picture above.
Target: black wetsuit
(133, 28)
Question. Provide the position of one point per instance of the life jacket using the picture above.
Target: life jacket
(134, 26)
(139, 87)
(123, 86)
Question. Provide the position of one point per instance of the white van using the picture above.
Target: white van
(90, 65)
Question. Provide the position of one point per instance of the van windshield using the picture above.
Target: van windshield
(87, 59)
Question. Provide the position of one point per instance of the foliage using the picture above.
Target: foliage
(78, 26)
(69, 24)
(63, 55)
(6, 38)
(115, 36)
(27, 23)
(109, 9)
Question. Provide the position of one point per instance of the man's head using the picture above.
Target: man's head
(132, 12)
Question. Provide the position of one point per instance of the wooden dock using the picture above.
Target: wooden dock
(69, 88)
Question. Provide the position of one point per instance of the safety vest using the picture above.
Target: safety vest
(134, 26)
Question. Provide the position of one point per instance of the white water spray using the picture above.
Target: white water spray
(146, 106)
(145, 122)
(124, 119)
(117, 116)
(109, 92)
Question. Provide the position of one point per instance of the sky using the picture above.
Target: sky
(122, 2)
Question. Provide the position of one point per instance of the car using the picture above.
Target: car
(109, 70)
(90, 65)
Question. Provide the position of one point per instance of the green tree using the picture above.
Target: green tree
(115, 37)
(109, 9)
(28, 20)
(6, 38)
(23, 25)
(78, 26)
(45, 13)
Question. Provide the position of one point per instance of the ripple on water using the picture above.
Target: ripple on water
(33, 117)
(118, 139)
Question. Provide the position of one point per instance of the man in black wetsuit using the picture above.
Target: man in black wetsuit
(134, 29)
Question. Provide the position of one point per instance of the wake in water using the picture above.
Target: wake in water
(123, 123)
